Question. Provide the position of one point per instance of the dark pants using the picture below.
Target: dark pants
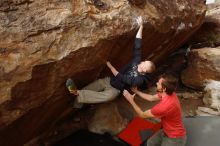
(160, 139)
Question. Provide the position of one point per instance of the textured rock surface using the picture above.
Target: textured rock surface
(43, 42)
(203, 64)
(212, 96)
(107, 119)
(209, 33)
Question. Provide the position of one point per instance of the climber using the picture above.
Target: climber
(168, 110)
(106, 89)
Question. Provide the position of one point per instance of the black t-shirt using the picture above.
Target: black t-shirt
(128, 76)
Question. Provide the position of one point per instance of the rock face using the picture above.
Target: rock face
(209, 33)
(203, 64)
(107, 119)
(44, 42)
(212, 96)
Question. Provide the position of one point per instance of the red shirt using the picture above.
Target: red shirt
(170, 113)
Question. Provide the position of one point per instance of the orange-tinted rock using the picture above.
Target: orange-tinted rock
(203, 64)
(140, 3)
(44, 42)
